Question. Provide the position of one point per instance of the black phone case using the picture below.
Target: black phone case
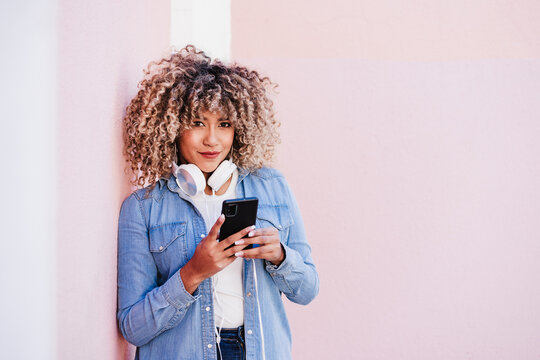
(239, 214)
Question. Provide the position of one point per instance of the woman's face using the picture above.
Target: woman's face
(207, 143)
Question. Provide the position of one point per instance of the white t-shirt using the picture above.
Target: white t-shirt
(228, 283)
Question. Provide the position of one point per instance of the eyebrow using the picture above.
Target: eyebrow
(220, 119)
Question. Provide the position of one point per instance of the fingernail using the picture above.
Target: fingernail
(238, 242)
(253, 227)
(239, 254)
(222, 216)
(251, 233)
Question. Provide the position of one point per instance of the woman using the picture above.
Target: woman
(181, 293)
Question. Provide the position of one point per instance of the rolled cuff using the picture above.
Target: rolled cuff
(175, 293)
(292, 257)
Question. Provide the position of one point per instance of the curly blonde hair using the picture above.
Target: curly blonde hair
(180, 88)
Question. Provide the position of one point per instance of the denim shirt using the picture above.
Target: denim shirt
(158, 233)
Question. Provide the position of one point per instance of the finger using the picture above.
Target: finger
(234, 237)
(263, 232)
(261, 252)
(240, 245)
(214, 231)
(259, 240)
(230, 252)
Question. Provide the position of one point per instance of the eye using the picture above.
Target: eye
(197, 123)
(226, 124)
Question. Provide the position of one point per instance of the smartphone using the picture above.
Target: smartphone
(239, 214)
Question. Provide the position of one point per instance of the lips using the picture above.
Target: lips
(210, 154)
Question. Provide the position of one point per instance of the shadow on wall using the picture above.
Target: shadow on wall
(123, 188)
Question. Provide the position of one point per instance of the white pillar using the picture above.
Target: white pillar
(27, 146)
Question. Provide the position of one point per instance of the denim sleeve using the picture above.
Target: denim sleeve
(296, 276)
(145, 309)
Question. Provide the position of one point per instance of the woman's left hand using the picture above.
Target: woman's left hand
(269, 246)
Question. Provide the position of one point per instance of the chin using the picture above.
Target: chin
(209, 168)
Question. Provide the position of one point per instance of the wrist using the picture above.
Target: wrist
(281, 258)
(190, 279)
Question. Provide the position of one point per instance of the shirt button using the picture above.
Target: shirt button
(250, 332)
(248, 294)
(161, 248)
(202, 235)
(208, 308)
(279, 226)
(209, 346)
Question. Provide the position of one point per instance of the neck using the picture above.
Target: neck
(222, 189)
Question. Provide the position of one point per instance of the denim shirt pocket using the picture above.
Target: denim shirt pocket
(168, 246)
(277, 216)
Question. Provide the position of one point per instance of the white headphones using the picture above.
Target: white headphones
(191, 179)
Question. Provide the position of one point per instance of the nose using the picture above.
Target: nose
(210, 137)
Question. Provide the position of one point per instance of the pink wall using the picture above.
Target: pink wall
(410, 138)
(104, 46)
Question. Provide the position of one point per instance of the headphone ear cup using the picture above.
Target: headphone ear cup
(221, 174)
(190, 179)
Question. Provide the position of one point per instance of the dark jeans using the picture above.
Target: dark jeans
(232, 344)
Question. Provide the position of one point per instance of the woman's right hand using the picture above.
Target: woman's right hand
(210, 256)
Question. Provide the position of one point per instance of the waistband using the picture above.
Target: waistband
(232, 333)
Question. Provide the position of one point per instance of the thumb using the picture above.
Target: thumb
(214, 231)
